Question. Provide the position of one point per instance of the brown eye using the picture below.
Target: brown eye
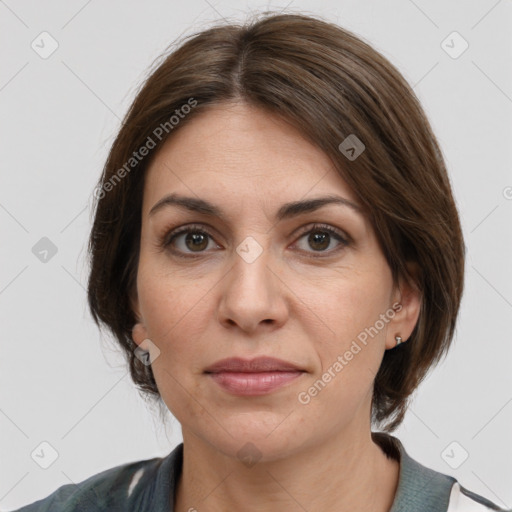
(196, 240)
(320, 237)
(188, 240)
(319, 240)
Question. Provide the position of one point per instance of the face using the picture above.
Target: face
(310, 288)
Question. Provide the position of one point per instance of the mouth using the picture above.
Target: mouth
(257, 365)
(254, 377)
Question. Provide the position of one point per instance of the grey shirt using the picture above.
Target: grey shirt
(149, 486)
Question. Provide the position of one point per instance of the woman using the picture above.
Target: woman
(277, 250)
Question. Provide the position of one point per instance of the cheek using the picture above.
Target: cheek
(173, 309)
(348, 304)
(350, 354)
(175, 313)
(349, 359)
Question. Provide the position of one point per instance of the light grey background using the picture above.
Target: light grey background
(63, 384)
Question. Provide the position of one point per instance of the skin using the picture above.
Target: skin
(293, 302)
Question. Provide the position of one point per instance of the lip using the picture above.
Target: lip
(254, 377)
(256, 365)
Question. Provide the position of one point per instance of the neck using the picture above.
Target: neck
(336, 475)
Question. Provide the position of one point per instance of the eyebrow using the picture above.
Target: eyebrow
(286, 211)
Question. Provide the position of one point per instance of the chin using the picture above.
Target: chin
(252, 441)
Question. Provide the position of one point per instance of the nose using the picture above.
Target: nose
(253, 295)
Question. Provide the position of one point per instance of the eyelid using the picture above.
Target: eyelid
(170, 233)
(323, 226)
(344, 240)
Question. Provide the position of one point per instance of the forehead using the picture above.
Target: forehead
(242, 154)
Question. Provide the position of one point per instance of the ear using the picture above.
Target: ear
(140, 334)
(406, 303)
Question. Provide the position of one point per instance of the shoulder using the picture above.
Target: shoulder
(423, 489)
(113, 489)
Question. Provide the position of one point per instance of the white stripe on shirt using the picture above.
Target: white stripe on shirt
(459, 502)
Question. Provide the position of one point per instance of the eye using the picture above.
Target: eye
(320, 237)
(187, 240)
(196, 240)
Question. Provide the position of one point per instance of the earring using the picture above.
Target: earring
(398, 340)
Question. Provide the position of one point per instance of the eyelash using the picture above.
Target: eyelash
(166, 241)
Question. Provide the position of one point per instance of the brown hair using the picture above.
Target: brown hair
(330, 84)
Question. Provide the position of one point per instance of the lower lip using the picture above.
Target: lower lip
(252, 384)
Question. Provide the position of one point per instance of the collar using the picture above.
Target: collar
(419, 488)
